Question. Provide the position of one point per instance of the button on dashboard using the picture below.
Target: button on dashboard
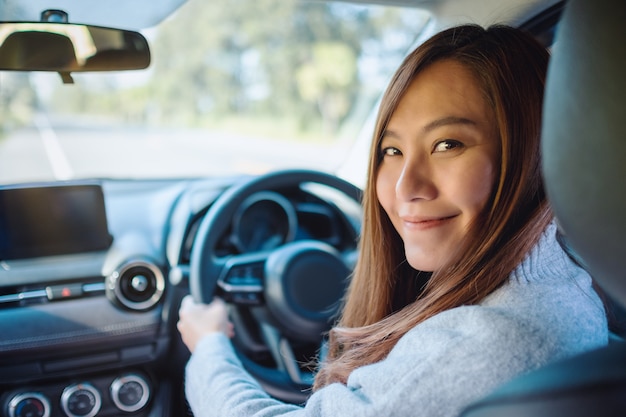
(62, 292)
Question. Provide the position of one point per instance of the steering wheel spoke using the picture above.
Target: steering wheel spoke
(283, 354)
(241, 281)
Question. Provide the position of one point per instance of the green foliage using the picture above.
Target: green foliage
(17, 100)
(326, 80)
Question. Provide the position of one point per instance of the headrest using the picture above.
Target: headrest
(584, 137)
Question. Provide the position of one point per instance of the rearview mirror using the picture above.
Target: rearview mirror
(67, 47)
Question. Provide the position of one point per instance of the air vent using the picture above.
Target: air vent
(137, 285)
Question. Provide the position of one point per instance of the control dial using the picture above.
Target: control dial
(31, 404)
(81, 400)
(130, 392)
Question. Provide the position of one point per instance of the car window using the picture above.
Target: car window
(242, 87)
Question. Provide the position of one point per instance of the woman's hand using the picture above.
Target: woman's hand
(197, 320)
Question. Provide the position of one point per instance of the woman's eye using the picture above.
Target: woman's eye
(446, 145)
(390, 151)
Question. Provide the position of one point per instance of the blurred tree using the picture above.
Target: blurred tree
(326, 78)
(18, 100)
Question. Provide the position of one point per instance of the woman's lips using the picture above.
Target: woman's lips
(417, 223)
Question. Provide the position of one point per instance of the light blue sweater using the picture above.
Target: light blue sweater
(546, 311)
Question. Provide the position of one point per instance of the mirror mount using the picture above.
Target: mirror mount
(54, 16)
(66, 77)
(58, 16)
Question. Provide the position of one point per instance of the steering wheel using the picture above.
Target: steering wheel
(280, 297)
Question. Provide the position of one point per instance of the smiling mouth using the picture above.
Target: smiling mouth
(423, 224)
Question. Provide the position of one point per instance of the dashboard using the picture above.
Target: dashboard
(92, 274)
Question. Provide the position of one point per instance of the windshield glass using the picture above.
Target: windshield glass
(233, 87)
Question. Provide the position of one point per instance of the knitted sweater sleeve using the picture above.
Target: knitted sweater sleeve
(416, 376)
(435, 370)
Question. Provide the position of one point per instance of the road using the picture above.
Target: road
(59, 150)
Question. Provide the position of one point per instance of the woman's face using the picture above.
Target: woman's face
(439, 162)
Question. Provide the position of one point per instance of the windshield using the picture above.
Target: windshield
(233, 87)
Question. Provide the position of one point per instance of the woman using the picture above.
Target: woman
(461, 284)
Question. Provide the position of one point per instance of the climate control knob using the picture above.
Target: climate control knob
(30, 404)
(81, 400)
(130, 392)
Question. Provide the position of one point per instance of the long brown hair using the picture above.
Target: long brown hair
(386, 297)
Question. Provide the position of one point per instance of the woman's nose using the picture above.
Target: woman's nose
(415, 182)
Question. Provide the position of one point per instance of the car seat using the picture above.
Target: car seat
(584, 162)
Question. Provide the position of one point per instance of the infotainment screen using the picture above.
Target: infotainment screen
(52, 220)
